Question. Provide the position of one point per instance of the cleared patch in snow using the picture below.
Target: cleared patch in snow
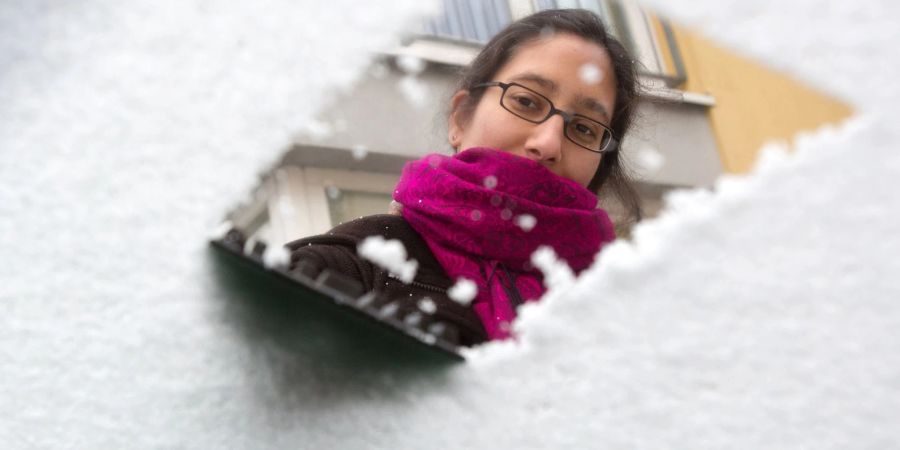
(463, 291)
(340, 125)
(395, 207)
(286, 206)
(414, 91)
(360, 152)
(648, 161)
(411, 65)
(333, 192)
(390, 255)
(379, 70)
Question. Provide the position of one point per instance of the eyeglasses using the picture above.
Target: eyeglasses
(535, 108)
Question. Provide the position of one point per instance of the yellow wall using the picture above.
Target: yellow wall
(753, 104)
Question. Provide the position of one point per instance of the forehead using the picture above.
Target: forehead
(561, 60)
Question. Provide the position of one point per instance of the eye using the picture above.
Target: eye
(525, 101)
(585, 130)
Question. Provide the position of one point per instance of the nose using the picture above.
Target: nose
(544, 143)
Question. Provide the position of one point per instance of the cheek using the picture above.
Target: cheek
(478, 134)
(495, 131)
(583, 167)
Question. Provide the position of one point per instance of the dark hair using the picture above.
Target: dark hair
(588, 26)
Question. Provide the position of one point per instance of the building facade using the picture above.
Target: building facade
(703, 111)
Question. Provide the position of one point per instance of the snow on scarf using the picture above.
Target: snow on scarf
(473, 209)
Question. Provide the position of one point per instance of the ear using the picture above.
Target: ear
(455, 123)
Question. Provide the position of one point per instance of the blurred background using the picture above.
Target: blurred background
(704, 111)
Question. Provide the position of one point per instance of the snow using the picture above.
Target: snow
(276, 257)
(390, 255)
(590, 74)
(427, 306)
(526, 222)
(333, 192)
(388, 310)
(360, 152)
(557, 274)
(221, 230)
(411, 65)
(317, 130)
(759, 314)
(412, 319)
(490, 182)
(648, 161)
(463, 291)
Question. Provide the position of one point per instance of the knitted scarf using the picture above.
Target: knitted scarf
(483, 212)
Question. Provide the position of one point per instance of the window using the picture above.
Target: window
(345, 204)
(303, 201)
(470, 20)
(312, 190)
(474, 21)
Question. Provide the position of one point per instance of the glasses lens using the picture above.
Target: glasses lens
(526, 104)
(588, 133)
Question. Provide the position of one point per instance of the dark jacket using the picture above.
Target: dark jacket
(336, 250)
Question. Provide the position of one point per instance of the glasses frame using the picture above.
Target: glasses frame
(611, 146)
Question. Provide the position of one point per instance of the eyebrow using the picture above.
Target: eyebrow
(553, 87)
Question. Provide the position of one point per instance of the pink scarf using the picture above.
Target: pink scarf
(472, 209)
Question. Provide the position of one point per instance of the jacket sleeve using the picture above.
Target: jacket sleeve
(336, 251)
(333, 252)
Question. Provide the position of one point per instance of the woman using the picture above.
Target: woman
(535, 125)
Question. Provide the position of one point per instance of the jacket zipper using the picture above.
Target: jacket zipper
(428, 287)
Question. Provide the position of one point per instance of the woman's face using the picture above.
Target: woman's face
(555, 67)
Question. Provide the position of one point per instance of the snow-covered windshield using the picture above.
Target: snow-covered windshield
(758, 312)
